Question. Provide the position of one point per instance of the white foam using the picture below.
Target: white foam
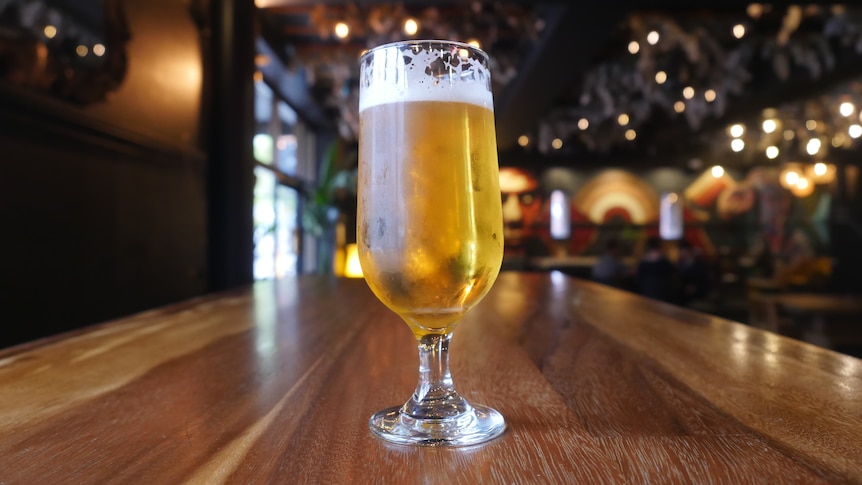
(386, 84)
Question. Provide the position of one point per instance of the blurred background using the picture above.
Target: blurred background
(156, 150)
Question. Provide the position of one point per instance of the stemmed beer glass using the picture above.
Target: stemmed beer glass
(429, 226)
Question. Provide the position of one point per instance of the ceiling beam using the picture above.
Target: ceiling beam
(555, 65)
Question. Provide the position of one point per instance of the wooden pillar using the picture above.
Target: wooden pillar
(230, 130)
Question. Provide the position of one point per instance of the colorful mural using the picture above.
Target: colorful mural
(723, 212)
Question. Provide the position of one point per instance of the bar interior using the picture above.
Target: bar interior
(680, 293)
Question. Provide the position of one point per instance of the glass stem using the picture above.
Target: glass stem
(435, 396)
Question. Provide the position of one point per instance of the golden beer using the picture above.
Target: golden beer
(429, 229)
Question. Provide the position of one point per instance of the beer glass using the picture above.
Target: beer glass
(429, 224)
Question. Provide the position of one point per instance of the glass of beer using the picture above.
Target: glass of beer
(429, 225)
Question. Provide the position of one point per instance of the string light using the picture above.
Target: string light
(99, 50)
(623, 119)
(811, 125)
(631, 134)
(739, 31)
(523, 140)
(50, 31)
(679, 106)
(653, 38)
(846, 109)
(717, 171)
(688, 92)
(634, 47)
(788, 135)
(737, 145)
(709, 95)
(583, 124)
(342, 30)
(737, 130)
(813, 146)
(660, 77)
(769, 126)
(772, 152)
(411, 26)
(81, 50)
(557, 143)
(855, 131)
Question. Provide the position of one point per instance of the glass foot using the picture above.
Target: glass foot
(477, 425)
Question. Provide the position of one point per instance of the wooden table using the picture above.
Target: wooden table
(275, 384)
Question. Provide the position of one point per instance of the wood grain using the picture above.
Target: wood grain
(275, 384)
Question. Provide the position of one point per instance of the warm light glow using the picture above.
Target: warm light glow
(99, 50)
(802, 188)
(342, 30)
(821, 173)
(737, 130)
(50, 31)
(754, 10)
(660, 77)
(737, 144)
(739, 31)
(813, 146)
(688, 92)
(769, 126)
(411, 26)
(523, 140)
(81, 50)
(709, 95)
(583, 123)
(557, 143)
(623, 119)
(846, 108)
(838, 140)
(634, 47)
(631, 134)
(772, 152)
(653, 37)
(811, 125)
(679, 106)
(855, 131)
(717, 171)
(475, 43)
(788, 135)
(790, 175)
(352, 268)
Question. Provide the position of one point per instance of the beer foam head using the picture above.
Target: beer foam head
(425, 71)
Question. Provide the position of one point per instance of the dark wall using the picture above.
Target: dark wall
(103, 208)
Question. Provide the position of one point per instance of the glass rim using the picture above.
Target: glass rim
(409, 42)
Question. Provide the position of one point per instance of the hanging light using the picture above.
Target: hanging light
(557, 143)
(802, 188)
(653, 37)
(688, 92)
(623, 119)
(709, 95)
(821, 173)
(769, 126)
(583, 123)
(772, 152)
(660, 77)
(791, 174)
(634, 47)
(813, 146)
(411, 26)
(738, 31)
(846, 109)
(523, 140)
(855, 131)
(631, 134)
(737, 145)
(736, 130)
(679, 106)
(342, 30)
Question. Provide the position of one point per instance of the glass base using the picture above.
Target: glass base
(477, 425)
